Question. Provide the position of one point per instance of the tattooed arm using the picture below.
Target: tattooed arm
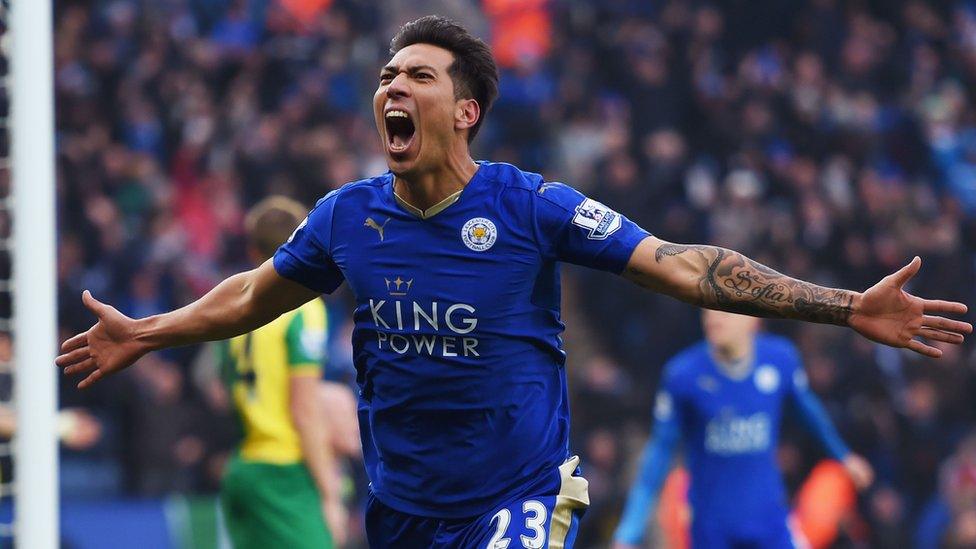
(718, 278)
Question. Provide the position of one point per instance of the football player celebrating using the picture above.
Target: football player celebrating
(454, 265)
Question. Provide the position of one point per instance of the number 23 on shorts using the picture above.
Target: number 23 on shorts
(530, 526)
(540, 522)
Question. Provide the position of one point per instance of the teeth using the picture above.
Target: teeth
(397, 114)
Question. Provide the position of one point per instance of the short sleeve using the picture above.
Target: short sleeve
(793, 367)
(305, 338)
(667, 403)
(306, 257)
(580, 230)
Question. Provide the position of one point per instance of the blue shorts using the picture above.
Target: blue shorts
(535, 521)
(775, 534)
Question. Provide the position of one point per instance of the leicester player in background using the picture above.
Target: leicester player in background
(282, 485)
(454, 265)
(723, 399)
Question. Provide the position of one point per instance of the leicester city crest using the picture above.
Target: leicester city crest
(479, 234)
(767, 378)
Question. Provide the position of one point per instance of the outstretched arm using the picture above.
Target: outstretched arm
(237, 305)
(718, 278)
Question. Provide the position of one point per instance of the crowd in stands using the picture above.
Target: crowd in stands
(832, 140)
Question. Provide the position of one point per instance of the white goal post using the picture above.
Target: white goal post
(30, 51)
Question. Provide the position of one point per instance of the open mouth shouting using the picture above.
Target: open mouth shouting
(400, 131)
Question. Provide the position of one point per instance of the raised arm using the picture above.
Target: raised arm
(718, 278)
(237, 305)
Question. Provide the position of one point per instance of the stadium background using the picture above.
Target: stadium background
(829, 139)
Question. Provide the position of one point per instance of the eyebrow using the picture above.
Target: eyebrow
(410, 69)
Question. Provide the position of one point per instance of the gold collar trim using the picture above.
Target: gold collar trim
(431, 211)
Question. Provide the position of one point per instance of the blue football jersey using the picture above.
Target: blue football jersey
(730, 428)
(463, 400)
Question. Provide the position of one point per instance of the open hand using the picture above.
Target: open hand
(888, 314)
(859, 470)
(107, 347)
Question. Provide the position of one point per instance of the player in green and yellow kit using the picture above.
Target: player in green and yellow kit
(281, 485)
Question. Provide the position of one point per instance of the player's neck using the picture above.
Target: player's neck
(423, 190)
(734, 359)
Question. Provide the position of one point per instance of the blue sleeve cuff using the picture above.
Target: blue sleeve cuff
(291, 267)
(624, 249)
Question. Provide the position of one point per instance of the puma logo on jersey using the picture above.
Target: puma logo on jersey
(374, 225)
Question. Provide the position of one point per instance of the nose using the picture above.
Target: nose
(398, 87)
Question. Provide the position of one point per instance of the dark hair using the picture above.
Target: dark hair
(270, 222)
(473, 71)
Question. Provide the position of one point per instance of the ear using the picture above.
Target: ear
(467, 112)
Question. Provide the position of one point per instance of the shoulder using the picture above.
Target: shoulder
(521, 184)
(360, 192)
(775, 344)
(686, 364)
(553, 201)
(360, 189)
(690, 359)
(507, 176)
(778, 349)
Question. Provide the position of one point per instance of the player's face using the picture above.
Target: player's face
(726, 329)
(415, 108)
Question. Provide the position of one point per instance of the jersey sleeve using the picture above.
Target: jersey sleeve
(654, 466)
(809, 408)
(580, 230)
(306, 258)
(305, 340)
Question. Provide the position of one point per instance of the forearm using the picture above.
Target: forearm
(237, 305)
(222, 313)
(718, 278)
(313, 433)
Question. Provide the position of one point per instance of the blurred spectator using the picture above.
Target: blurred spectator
(77, 429)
